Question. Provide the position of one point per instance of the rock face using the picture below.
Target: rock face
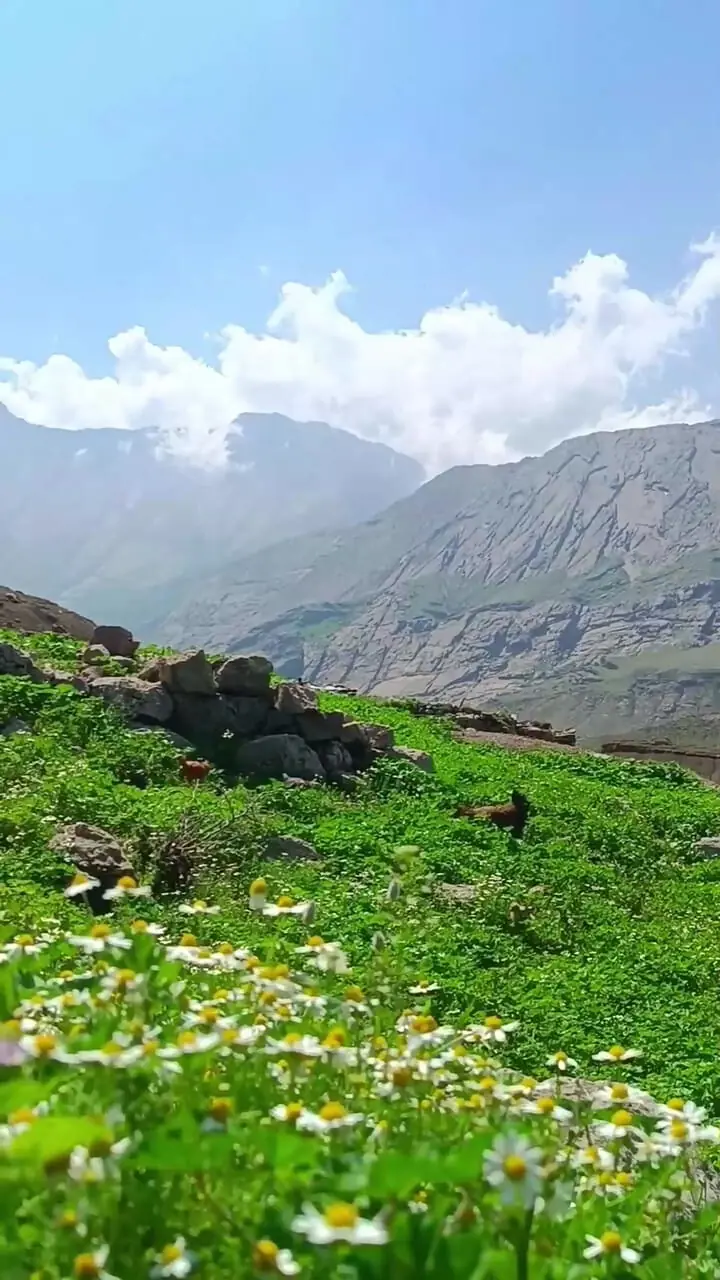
(539, 585)
(246, 677)
(118, 641)
(13, 662)
(188, 673)
(96, 853)
(135, 699)
(30, 614)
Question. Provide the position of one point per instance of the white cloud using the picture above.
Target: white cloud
(466, 386)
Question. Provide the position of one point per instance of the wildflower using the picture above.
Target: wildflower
(339, 1222)
(548, 1108)
(493, 1029)
(289, 1113)
(678, 1133)
(617, 1054)
(354, 1001)
(267, 1257)
(424, 989)
(285, 907)
(514, 1167)
(147, 927)
(258, 895)
(610, 1244)
(303, 1046)
(676, 1109)
(332, 1116)
(100, 938)
(91, 1266)
(44, 1046)
(95, 1164)
(23, 945)
(198, 908)
(81, 883)
(189, 1042)
(173, 1261)
(219, 1113)
(620, 1125)
(560, 1062)
(617, 1095)
(127, 887)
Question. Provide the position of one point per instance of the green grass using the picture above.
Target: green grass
(623, 939)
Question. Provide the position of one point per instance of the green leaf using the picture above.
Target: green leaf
(53, 1137)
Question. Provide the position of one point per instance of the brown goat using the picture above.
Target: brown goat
(195, 770)
(512, 816)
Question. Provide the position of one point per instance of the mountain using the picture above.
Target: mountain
(105, 522)
(583, 585)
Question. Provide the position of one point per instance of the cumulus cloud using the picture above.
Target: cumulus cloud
(467, 385)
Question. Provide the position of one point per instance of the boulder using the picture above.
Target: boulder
(293, 699)
(13, 662)
(96, 853)
(290, 849)
(205, 721)
(335, 758)
(95, 654)
(175, 739)
(277, 756)
(320, 726)
(419, 758)
(78, 682)
(14, 727)
(136, 699)
(125, 664)
(118, 641)
(246, 676)
(379, 737)
(709, 847)
(250, 714)
(188, 673)
(151, 671)
(301, 783)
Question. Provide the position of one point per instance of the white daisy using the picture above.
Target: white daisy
(610, 1244)
(339, 1222)
(560, 1061)
(267, 1257)
(100, 938)
(617, 1095)
(620, 1125)
(678, 1109)
(303, 1046)
(492, 1030)
(285, 907)
(258, 895)
(547, 1107)
(127, 887)
(80, 884)
(332, 1116)
(91, 1266)
(23, 945)
(513, 1166)
(198, 908)
(147, 927)
(617, 1054)
(173, 1261)
(424, 989)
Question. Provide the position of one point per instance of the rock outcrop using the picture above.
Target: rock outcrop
(95, 853)
(117, 641)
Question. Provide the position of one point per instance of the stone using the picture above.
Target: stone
(92, 673)
(301, 783)
(151, 671)
(348, 782)
(290, 849)
(319, 726)
(419, 758)
(80, 683)
(335, 757)
(125, 664)
(118, 641)
(353, 734)
(293, 698)
(96, 853)
(95, 654)
(458, 894)
(246, 676)
(188, 673)
(175, 739)
(13, 662)
(204, 721)
(278, 755)
(136, 699)
(14, 727)
(250, 714)
(709, 847)
(379, 737)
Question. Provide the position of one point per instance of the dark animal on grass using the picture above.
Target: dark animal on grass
(511, 816)
(195, 770)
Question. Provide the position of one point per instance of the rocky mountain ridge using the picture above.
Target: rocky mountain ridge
(521, 584)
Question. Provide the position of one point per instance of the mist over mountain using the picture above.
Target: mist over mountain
(107, 522)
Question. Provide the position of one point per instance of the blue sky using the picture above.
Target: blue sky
(158, 154)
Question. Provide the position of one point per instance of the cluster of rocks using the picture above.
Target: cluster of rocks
(484, 721)
(229, 710)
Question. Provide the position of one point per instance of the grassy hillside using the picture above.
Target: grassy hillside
(598, 928)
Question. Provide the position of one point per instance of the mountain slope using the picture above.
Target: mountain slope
(101, 520)
(518, 583)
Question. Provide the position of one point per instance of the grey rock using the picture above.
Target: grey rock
(419, 758)
(189, 673)
(247, 676)
(96, 853)
(14, 727)
(348, 782)
(118, 641)
(136, 699)
(379, 737)
(250, 714)
(125, 664)
(277, 756)
(319, 726)
(151, 671)
(175, 739)
(300, 783)
(294, 699)
(204, 720)
(291, 849)
(95, 654)
(335, 757)
(709, 847)
(78, 682)
(13, 662)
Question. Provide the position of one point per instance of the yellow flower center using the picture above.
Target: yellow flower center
(676, 1104)
(188, 940)
(341, 1216)
(616, 1051)
(209, 1015)
(25, 940)
(125, 976)
(332, 1111)
(199, 904)
(79, 879)
(221, 1109)
(85, 1267)
(355, 995)
(423, 1025)
(514, 1168)
(139, 926)
(487, 1084)
(268, 997)
(229, 1036)
(611, 1242)
(293, 1112)
(226, 949)
(171, 1253)
(22, 1116)
(493, 1023)
(186, 1040)
(315, 941)
(252, 962)
(624, 1179)
(678, 1130)
(111, 1049)
(44, 1044)
(528, 1082)
(258, 887)
(285, 902)
(619, 1092)
(280, 971)
(221, 994)
(334, 1039)
(560, 1056)
(127, 882)
(150, 1048)
(606, 1179)
(621, 1119)
(546, 1106)
(402, 1076)
(68, 1218)
(265, 1255)
(292, 1038)
(100, 931)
